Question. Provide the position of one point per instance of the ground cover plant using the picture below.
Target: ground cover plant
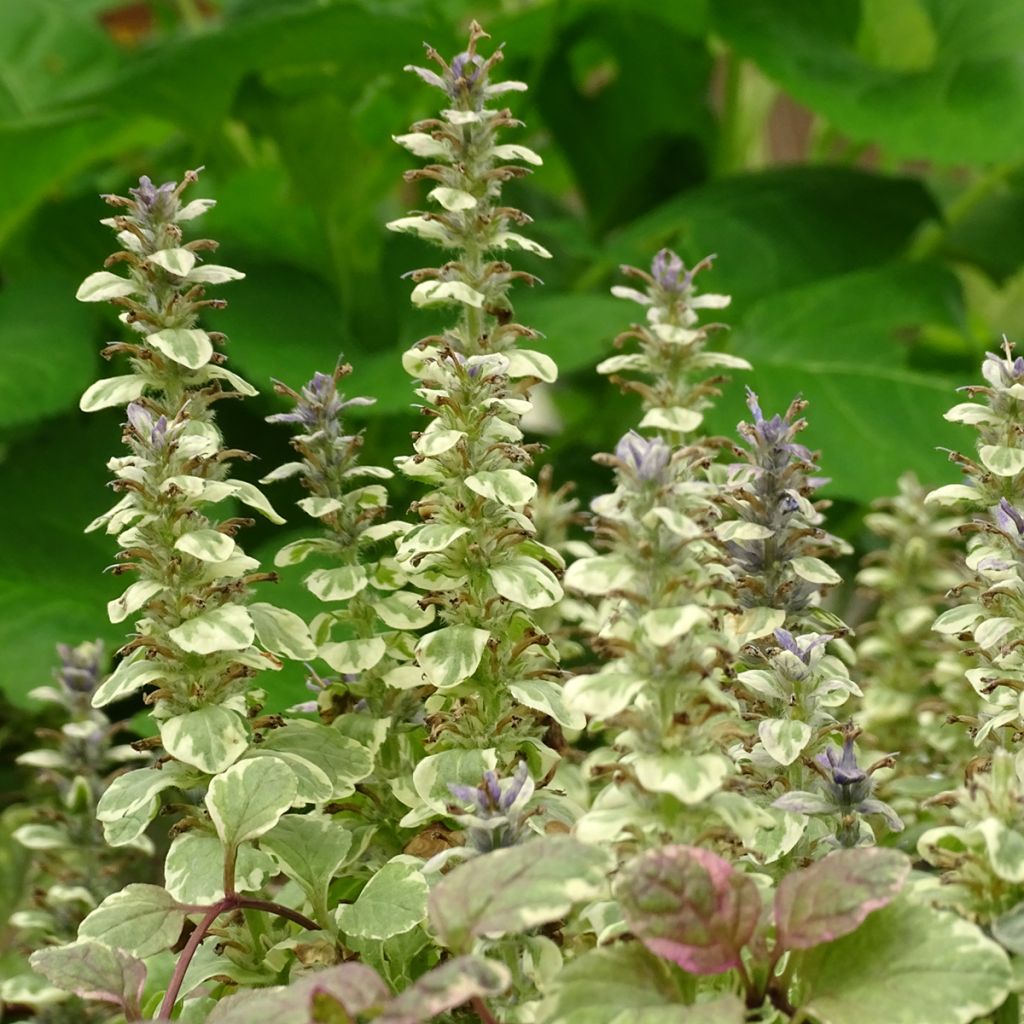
(633, 751)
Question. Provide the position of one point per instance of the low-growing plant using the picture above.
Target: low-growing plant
(545, 777)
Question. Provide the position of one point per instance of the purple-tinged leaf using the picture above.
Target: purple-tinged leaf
(94, 971)
(690, 906)
(516, 889)
(451, 984)
(834, 896)
(356, 988)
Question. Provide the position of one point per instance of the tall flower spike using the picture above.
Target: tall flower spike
(475, 555)
(672, 358)
(199, 639)
(72, 868)
(776, 540)
(659, 586)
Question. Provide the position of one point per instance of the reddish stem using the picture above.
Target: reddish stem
(211, 914)
(482, 1010)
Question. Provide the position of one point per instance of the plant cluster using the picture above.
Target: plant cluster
(542, 779)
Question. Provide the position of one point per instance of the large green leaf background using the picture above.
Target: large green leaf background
(869, 275)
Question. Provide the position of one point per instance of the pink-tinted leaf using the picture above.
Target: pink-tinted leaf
(94, 971)
(834, 896)
(352, 988)
(690, 906)
(451, 984)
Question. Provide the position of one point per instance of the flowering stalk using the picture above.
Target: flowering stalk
(201, 638)
(663, 589)
(975, 850)
(73, 869)
(914, 678)
(196, 641)
(774, 534)
(475, 557)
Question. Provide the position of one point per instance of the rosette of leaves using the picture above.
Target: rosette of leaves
(672, 359)
(914, 678)
(474, 555)
(73, 869)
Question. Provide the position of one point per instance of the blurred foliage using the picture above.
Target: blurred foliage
(856, 166)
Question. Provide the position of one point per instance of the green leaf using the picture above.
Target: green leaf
(128, 677)
(227, 628)
(41, 371)
(526, 582)
(138, 790)
(137, 596)
(337, 584)
(353, 655)
(142, 919)
(249, 798)
(689, 778)
(1005, 848)
(833, 897)
(175, 261)
(546, 696)
(622, 983)
(393, 901)
(190, 347)
(209, 739)
(93, 970)
(112, 391)
(600, 574)
(345, 761)
(309, 848)
(1001, 460)
(451, 654)
(401, 610)
(784, 739)
(282, 632)
(690, 906)
(946, 84)
(104, 285)
(508, 486)
(447, 986)
(435, 773)
(906, 964)
(207, 545)
(357, 987)
(194, 868)
(512, 890)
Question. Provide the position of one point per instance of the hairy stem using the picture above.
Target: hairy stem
(483, 1011)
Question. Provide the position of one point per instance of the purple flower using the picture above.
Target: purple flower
(646, 458)
(670, 273)
(492, 810)
(155, 203)
(150, 431)
(319, 406)
(81, 667)
(846, 793)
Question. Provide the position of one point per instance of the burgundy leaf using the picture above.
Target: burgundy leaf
(690, 906)
(834, 896)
